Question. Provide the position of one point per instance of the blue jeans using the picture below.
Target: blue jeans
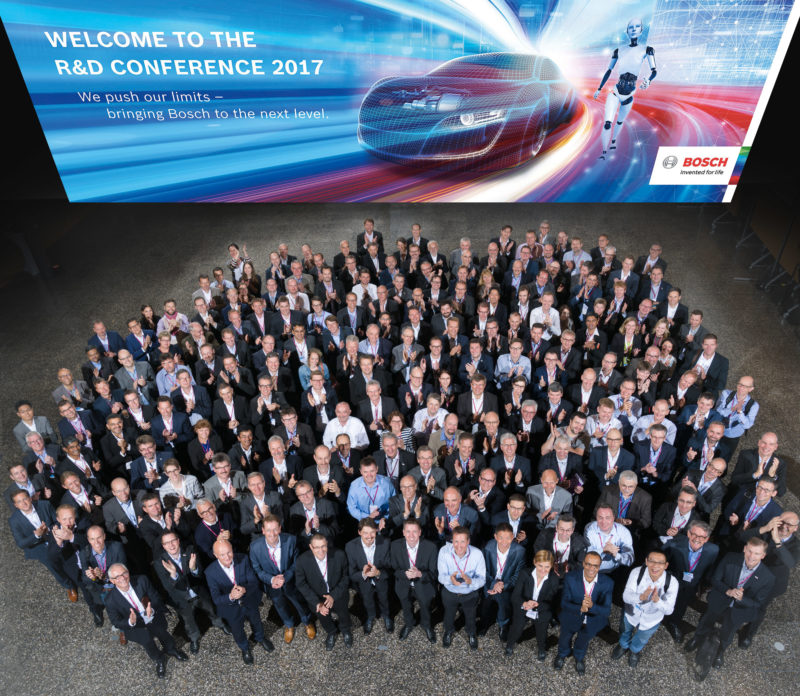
(634, 641)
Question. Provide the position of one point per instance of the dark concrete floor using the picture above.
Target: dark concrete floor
(113, 258)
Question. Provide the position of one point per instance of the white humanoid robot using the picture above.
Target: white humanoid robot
(628, 60)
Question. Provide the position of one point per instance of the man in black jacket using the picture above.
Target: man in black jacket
(369, 566)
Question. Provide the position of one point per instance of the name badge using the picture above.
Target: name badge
(688, 577)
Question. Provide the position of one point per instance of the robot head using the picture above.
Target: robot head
(635, 28)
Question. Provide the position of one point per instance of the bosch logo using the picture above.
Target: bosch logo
(669, 162)
(704, 161)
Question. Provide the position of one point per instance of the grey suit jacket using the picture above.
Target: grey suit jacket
(534, 498)
(397, 357)
(143, 369)
(212, 487)
(438, 476)
(61, 392)
(43, 427)
(113, 514)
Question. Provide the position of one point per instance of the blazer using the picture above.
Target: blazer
(757, 589)
(202, 402)
(427, 558)
(220, 586)
(43, 427)
(405, 465)
(534, 498)
(467, 517)
(180, 426)
(717, 375)
(266, 569)
(746, 465)
(119, 609)
(328, 522)
(312, 585)
(523, 591)
(641, 508)
(598, 462)
(439, 477)
(397, 514)
(662, 520)
(220, 418)
(498, 465)
(514, 562)
(577, 548)
(740, 505)
(572, 598)
(178, 589)
(135, 348)
(464, 408)
(707, 501)
(357, 559)
(631, 283)
(143, 369)
(366, 413)
(664, 463)
(66, 430)
(113, 514)
(138, 468)
(550, 461)
(115, 553)
(22, 529)
(677, 550)
(212, 486)
(247, 521)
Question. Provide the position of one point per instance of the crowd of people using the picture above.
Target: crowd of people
(525, 436)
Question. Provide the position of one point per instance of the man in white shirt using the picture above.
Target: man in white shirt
(346, 424)
(611, 540)
(547, 316)
(649, 596)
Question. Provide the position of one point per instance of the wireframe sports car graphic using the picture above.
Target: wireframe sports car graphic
(487, 111)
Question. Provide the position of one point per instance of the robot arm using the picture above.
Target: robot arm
(651, 61)
(614, 57)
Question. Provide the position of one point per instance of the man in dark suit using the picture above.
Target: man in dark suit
(504, 559)
(322, 580)
(672, 519)
(606, 463)
(190, 399)
(415, 576)
(710, 366)
(585, 607)
(473, 405)
(237, 595)
(691, 559)
(752, 464)
(567, 546)
(95, 559)
(633, 505)
(451, 514)
(154, 521)
(77, 424)
(392, 461)
(109, 343)
(30, 523)
(740, 586)
(178, 569)
(147, 471)
(171, 430)
(646, 263)
(783, 554)
(370, 234)
(409, 503)
(747, 510)
(513, 472)
(654, 288)
(690, 337)
(369, 566)
(135, 608)
(226, 414)
(255, 505)
(655, 459)
(709, 487)
(273, 557)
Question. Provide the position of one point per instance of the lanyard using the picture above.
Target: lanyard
(622, 508)
(693, 564)
(501, 566)
(466, 563)
(372, 496)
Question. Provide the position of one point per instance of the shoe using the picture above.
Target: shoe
(503, 633)
(72, 594)
(675, 632)
(745, 642)
(388, 624)
(266, 643)
(691, 644)
(194, 647)
(447, 639)
(633, 659)
(509, 650)
(122, 639)
(618, 652)
(330, 641)
(311, 631)
(482, 630)
(225, 629)
(161, 668)
(179, 655)
(580, 667)
(473, 641)
(288, 635)
(718, 660)
(541, 655)
(558, 663)
(431, 635)
(368, 626)
(405, 632)
(98, 618)
(347, 637)
(247, 656)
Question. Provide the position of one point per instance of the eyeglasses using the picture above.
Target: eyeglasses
(123, 574)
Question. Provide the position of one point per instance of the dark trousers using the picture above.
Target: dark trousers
(157, 628)
(519, 622)
(236, 616)
(582, 635)
(726, 633)
(375, 597)
(500, 602)
(685, 594)
(186, 610)
(469, 606)
(40, 554)
(283, 599)
(423, 593)
(342, 613)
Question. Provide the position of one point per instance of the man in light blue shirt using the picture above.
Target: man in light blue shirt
(167, 377)
(512, 364)
(369, 494)
(462, 573)
(610, 540)
(738, 410)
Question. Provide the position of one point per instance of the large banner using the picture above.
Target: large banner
(399, 100)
